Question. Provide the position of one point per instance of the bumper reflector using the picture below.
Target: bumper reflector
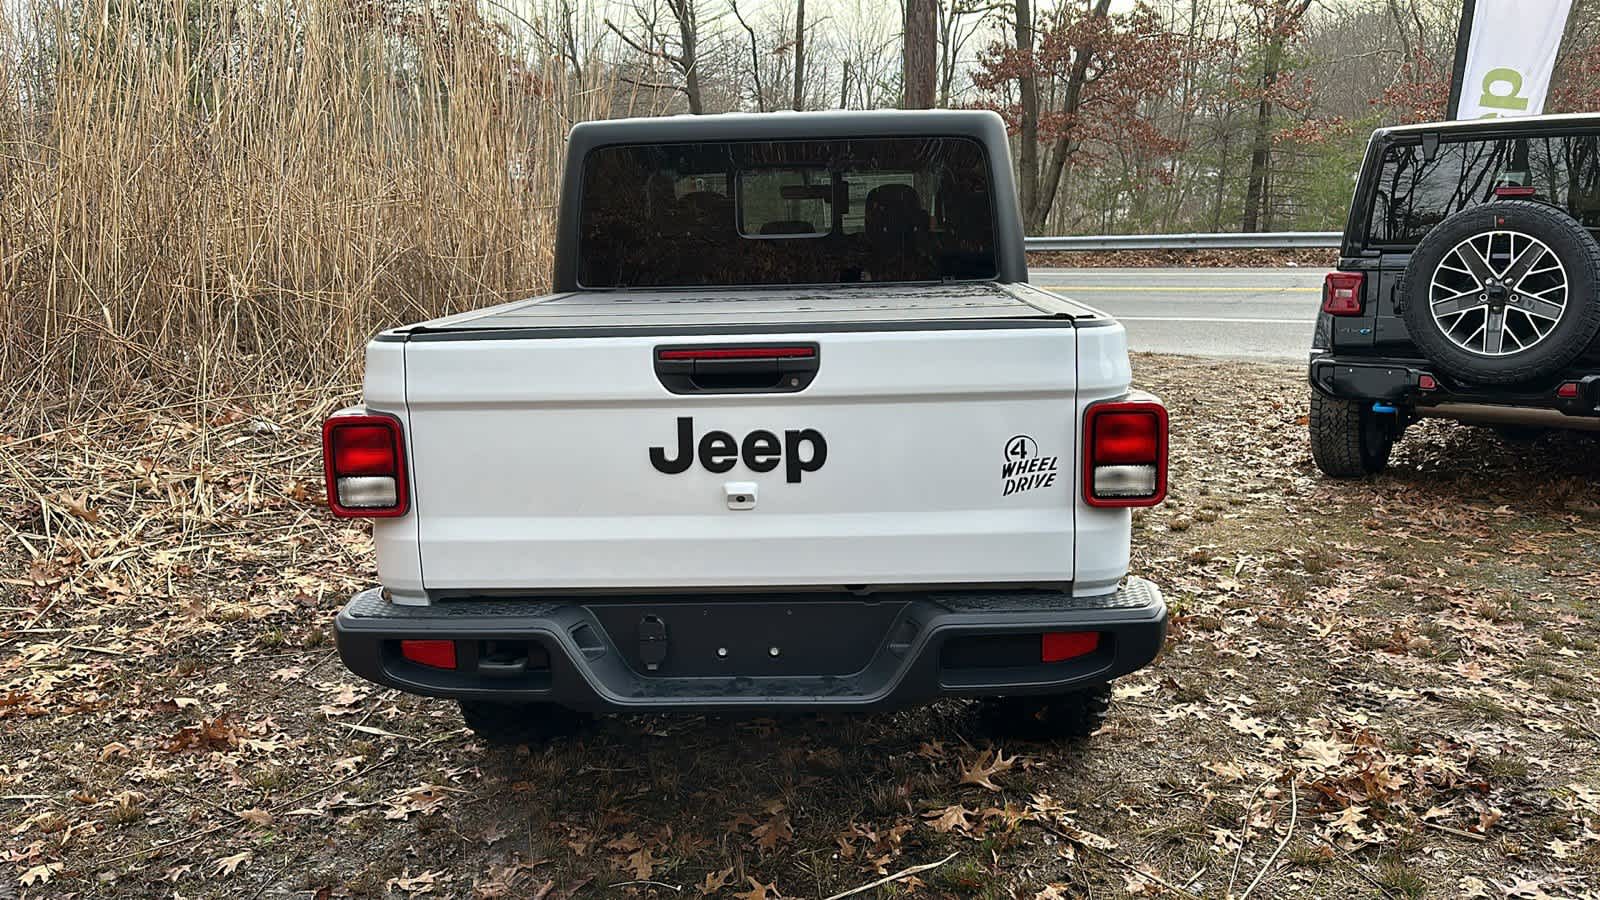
(1058, 646)
(438, 654)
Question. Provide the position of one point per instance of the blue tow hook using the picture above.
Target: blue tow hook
(1384, 408)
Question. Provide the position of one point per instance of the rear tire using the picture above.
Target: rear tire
(1348, 439)
(1077, 714)
(510, 724)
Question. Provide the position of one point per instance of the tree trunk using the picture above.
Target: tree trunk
(799, 54)
(1066, 146)
(1182, 179)
(1255, 193)
(1028, 136)
(949, 23)
(1222, 179)
(1260, 157)
(755, 59)
(844, 87)
(920, 54)
(683, 11)
(1400, 29)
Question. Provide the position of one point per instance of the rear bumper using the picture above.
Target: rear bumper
(1398, 382)
(753, 651)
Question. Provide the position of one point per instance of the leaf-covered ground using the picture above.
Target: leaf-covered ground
(1384, 689)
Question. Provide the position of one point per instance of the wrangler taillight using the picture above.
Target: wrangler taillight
(1341, 293)
(1125, 454)
(363, 461)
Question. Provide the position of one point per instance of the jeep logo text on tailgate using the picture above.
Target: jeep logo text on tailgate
(760, 450)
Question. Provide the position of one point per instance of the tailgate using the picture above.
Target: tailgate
(912, 457)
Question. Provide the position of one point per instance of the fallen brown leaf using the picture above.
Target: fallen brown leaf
(982, 770)
(230, 864)
(715, 881)
(953, 818)
(759, 891)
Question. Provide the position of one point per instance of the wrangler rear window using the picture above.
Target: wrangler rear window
(1415, 193)
(786, 212)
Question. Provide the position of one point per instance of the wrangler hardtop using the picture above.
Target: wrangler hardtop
(1468, 287)
(792, 430)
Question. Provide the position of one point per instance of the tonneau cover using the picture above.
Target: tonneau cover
(863, 306)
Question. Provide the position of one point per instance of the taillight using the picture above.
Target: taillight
(1125, 454)
(1341, 293)
(363, 460)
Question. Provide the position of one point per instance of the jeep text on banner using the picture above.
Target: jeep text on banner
(1509, 56)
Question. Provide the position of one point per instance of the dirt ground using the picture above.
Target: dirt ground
(1383, 688)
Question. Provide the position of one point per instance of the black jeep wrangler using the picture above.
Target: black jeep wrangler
(1468, 287)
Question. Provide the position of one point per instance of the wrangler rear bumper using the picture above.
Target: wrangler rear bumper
(754, 651)
(1399, 381)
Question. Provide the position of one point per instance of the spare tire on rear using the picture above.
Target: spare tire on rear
(1504, 292)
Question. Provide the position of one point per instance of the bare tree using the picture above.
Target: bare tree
(755, 57)
(1276, 22)
(681, 52)
(864, 43)
(958, 22)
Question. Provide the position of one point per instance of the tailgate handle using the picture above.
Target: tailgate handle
(737, 368)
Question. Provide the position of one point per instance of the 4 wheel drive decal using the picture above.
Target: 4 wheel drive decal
(803, 450)
(1025, 469)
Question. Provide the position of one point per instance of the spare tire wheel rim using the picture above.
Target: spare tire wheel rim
(1498, 293)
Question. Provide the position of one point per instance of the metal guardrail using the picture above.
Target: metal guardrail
(1282, 240)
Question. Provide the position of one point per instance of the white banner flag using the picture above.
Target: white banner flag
(1510, 56)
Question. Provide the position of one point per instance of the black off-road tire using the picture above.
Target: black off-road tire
(1050, 717)
(1571, 243)
(1348, 439)
(510, 724)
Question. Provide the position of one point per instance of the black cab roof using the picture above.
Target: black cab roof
(1473, 127)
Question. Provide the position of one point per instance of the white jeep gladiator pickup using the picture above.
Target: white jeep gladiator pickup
(792, 432)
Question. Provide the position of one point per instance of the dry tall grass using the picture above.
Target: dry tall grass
(202, 198)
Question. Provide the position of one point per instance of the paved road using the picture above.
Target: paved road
(1237, 313)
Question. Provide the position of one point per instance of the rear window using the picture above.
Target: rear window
(1415, 193)
(786, 212)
